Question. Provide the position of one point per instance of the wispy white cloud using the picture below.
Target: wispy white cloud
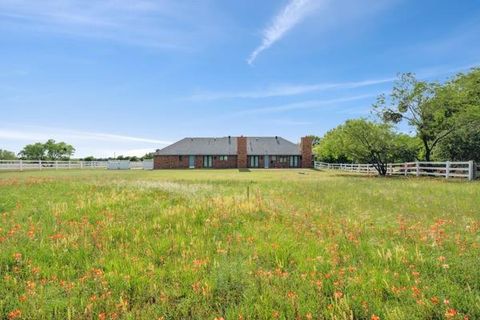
(288, 90)
(159, 24)
(292, 14)
(100, 144)
(40, 133)
(310, 104)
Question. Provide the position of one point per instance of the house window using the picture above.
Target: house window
(253, 161)
(180, 158)
(207, 161)
(223, 158)
(294, 161)
(283, 159)
(274, 158)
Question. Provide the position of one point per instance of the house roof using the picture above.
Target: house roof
(201, 146)
(271, 146)
(228, 146)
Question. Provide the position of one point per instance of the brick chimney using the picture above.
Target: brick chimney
(306, 150)
(242, 152)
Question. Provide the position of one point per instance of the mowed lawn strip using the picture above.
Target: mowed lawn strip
(206, 244)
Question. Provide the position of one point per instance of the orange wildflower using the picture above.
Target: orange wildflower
(374, 317)
(434, 300)
(102, 316)
(14, 314)
(338, 294)
(450, 313)
(291, 294)
(17, 256)
(56, 236)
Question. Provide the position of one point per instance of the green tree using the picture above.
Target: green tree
(462, 93)
(58, 150)
(364, 141)
(149, 155)
(416, 103)
(49, 150)
(7, 155)
(329, 148)
(35, 151)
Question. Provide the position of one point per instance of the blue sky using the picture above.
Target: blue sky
(126, 77)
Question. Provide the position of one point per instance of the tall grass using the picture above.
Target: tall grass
(212, 244)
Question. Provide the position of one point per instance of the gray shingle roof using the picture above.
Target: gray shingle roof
(201, 146)
(228, 146)
(271, 146)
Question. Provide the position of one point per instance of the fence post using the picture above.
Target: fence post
(56, 165)
(471, 170)
(405, 169)
(40, 164)
(21, 165)
(81, 164)
(417, 167)
(447, 170)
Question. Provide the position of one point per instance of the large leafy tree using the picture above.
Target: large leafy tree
(462, 93)
(416, 103)
(7, 155)
(58, 150)
(364, 141)
(35, 151)
(49, 150)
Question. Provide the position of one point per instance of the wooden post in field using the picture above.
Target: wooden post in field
(21, 165)
(417, 166)
(405, 168)
(40, 164)
(471, 170)
(447, 170)
(56, 165)
(81, 164)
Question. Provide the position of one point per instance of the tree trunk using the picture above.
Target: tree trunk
(428, 150)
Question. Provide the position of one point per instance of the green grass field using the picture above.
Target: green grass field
(206, 244)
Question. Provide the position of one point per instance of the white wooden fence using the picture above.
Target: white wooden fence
(20, 165)
(465, 170)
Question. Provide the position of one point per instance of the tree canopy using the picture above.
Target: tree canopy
(7, 155)
(49, 150)
(435, 111)
(364, 141)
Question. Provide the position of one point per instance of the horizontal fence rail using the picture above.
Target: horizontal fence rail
(21, 165)
(465, 170)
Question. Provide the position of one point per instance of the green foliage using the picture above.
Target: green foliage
(435, 111)
(180, 244)
(462, 93)
(149, 155)
(49, 150)
(461, 145)
(363, 141)
(7, 155)
(36, 151)
(330, 147)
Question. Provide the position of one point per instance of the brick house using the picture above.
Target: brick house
(235, 152)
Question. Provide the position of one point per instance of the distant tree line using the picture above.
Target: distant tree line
(147, 156)
(444, 120)
(52, 150)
